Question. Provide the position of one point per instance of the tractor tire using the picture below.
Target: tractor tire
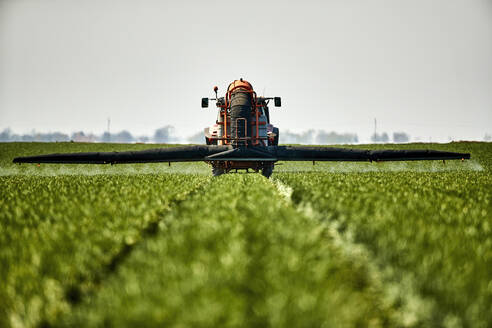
(267, 170)
(210, 141)
(216, 171)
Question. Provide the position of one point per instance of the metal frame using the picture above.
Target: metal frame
(226, 138)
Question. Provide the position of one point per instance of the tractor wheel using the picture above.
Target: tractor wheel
(210, 141)
(216, 171)
(267, 170)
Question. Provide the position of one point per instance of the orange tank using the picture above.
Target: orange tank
(239, 84)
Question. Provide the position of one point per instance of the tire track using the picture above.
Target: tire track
(238, 255)
(410, 308)
(75, 295)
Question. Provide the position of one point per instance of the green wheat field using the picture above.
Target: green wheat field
(406, 244)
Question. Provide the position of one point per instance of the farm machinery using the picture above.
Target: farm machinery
(242, 138)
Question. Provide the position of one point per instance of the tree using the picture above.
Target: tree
(78, 136)
(197, 138)
(376, 137)
(306, 137)
(143, 139)
(57, 136)
(324, 137)
(401, 137)
(106, 137)
(164, 134)
(6, 135)
(122, 136)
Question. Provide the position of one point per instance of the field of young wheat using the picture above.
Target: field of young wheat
(329, 245)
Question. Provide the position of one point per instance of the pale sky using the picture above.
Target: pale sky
(419, 66)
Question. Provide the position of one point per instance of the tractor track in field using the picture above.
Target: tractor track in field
(412, 309)
(74, 294)
(150, 229)
(266, 261)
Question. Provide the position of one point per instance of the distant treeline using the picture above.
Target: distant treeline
(321, 137)
(398, 137)
(167, 134)
(163, 135)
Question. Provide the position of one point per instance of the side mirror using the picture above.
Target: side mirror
(204, 102)
(277, 101)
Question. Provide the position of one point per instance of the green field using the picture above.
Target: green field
(330, 245)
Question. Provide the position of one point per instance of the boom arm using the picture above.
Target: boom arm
(286, 153)
(227, 153)
(171, 154)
